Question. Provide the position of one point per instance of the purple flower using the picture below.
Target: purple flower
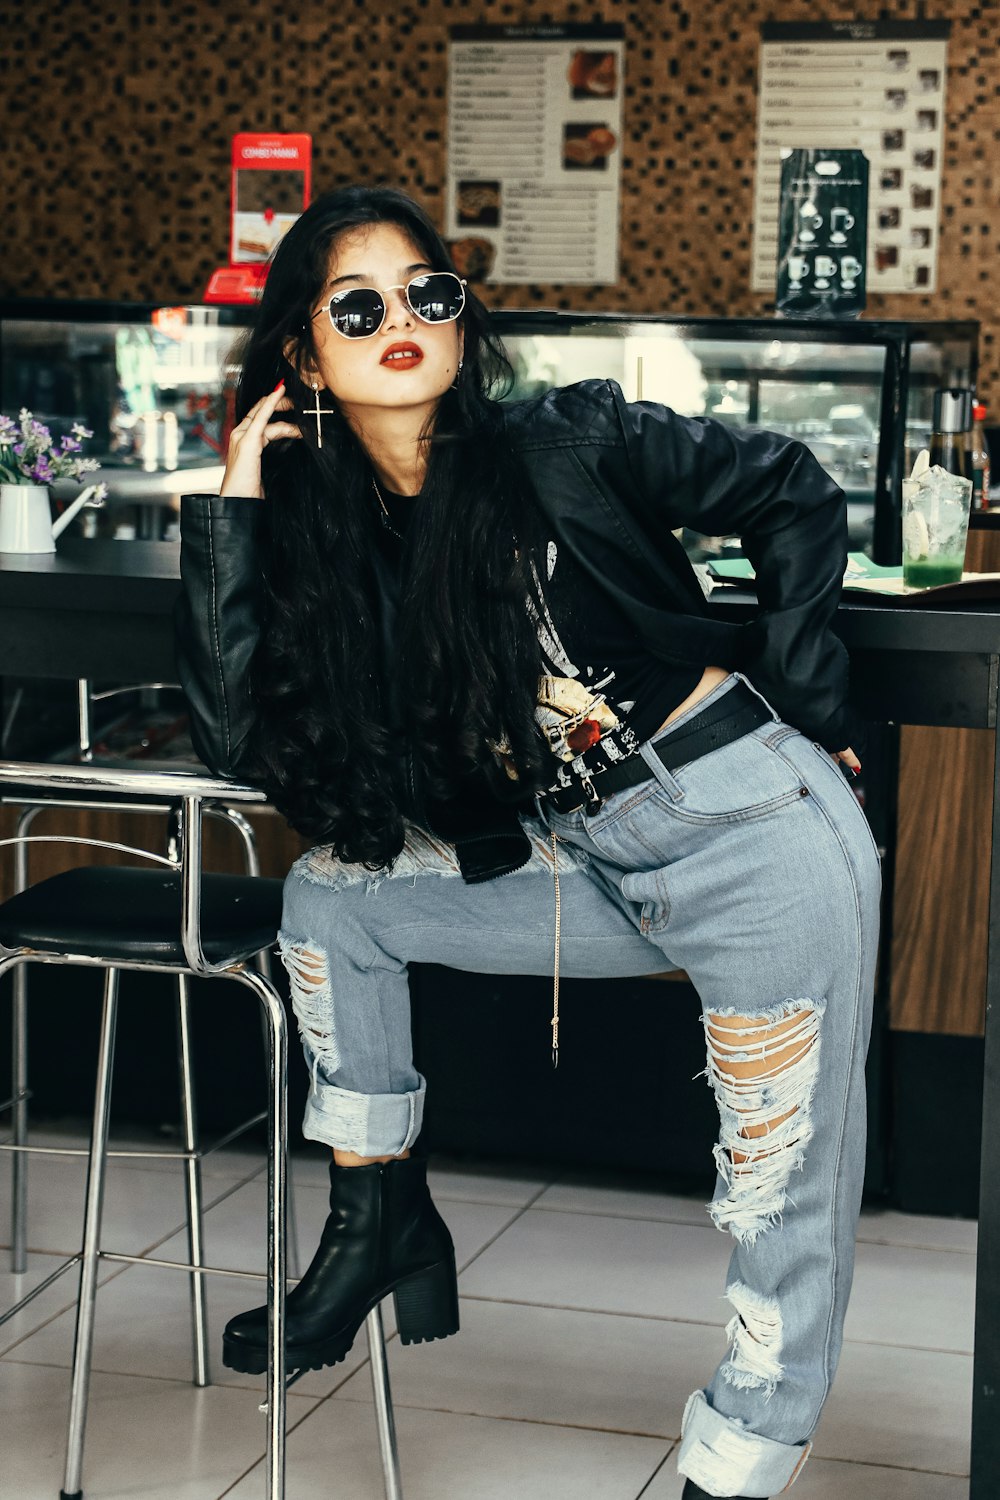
(8, 430)
(41, 471)
(79, 431)
(70, 445)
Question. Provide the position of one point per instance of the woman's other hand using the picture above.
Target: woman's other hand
(848, 759)
(250, 438)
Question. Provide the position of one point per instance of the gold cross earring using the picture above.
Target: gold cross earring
(317, 411)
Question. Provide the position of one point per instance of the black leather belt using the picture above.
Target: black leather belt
(729, 718)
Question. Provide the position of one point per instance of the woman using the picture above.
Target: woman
(458, 641)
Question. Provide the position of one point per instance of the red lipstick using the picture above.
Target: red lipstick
(402, 356)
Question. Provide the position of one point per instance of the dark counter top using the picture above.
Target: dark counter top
(97, 574)
(121, 577)
(96, 609)
(102, 609)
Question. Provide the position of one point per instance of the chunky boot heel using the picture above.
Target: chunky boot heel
(383, 1235)
(427, 1304)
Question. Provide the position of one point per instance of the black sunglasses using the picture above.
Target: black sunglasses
(359, 312)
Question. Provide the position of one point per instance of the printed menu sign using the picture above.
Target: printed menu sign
(534, 152)
(880, 87)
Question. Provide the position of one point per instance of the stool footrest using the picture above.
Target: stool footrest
(36, 1291)
(181, 1265)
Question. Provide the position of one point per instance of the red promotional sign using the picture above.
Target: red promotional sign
(270, 186)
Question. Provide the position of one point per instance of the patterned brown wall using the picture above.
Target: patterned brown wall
(118, 118)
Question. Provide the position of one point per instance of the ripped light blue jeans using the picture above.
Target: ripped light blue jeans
(752, 868)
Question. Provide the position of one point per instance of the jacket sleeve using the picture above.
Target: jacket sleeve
(217, 626)
(792, 519)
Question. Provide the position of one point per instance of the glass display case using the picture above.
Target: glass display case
(156, 386)
(858, 394)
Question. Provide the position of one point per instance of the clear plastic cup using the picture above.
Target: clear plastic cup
(935, 526)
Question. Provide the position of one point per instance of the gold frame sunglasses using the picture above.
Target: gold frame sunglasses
(358, 312)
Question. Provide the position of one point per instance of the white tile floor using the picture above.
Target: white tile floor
(590, 1308)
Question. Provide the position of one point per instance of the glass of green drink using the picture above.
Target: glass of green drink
(935, 524)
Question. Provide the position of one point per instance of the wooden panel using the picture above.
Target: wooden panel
(941, 898)
(982, 552)
(277, 845)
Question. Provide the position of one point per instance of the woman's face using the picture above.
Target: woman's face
(362, 373)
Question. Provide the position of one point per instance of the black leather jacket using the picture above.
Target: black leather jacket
(614, 479)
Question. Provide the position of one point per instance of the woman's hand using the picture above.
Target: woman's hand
(849, 759)
(250, 438)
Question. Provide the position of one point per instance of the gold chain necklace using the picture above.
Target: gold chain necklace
(388, 518)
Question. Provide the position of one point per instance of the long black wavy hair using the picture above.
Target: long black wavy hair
(332, 730)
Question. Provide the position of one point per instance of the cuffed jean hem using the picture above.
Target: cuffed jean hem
(367, 1124)
(725, 1458)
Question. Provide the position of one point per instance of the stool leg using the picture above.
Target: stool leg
(262, 963)
(277, 1177)
(192, 1184)
(384, 1419)
(19, 1121)
(19, 1073)
(83, 1347)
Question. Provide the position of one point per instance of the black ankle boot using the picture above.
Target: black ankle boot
(383, 1235)
(692, 1491)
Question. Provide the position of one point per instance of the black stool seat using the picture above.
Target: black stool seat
(115, 913)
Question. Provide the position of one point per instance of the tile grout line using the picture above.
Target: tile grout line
(658, 1470)
(121, 1271)
(617, 1312)
(638, 1218)
(366, 1361)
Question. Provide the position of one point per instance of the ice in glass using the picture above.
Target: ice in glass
(935, 524)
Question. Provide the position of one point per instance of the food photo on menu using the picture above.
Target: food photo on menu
(593, 75)
(587, 147)
(473, 256)
(478, 203)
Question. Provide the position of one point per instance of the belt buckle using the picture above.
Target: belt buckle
(593, 802)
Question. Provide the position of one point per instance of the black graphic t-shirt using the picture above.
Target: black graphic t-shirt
(602, 693)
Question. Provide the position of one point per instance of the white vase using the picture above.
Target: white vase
(25, 518)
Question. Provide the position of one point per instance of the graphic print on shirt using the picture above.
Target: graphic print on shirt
(584, 730)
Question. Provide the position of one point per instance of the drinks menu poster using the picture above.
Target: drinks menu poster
(534, 152)
(878, 86)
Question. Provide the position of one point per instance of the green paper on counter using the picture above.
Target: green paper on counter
(866, 577)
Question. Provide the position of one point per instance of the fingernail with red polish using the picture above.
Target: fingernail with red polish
(278, 386)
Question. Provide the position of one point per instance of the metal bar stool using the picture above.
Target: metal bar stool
(170, 920)
(192, 1154)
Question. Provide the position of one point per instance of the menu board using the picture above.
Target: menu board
(534, 152)
(880, 87)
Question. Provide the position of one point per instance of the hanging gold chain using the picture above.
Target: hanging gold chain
(388, 518)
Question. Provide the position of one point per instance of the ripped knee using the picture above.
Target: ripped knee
(756, 1334)
(763, 1070)
(312, 999)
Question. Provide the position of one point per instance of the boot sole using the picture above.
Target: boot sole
(426, 1309)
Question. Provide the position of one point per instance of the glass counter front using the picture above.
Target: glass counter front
(156, 385)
